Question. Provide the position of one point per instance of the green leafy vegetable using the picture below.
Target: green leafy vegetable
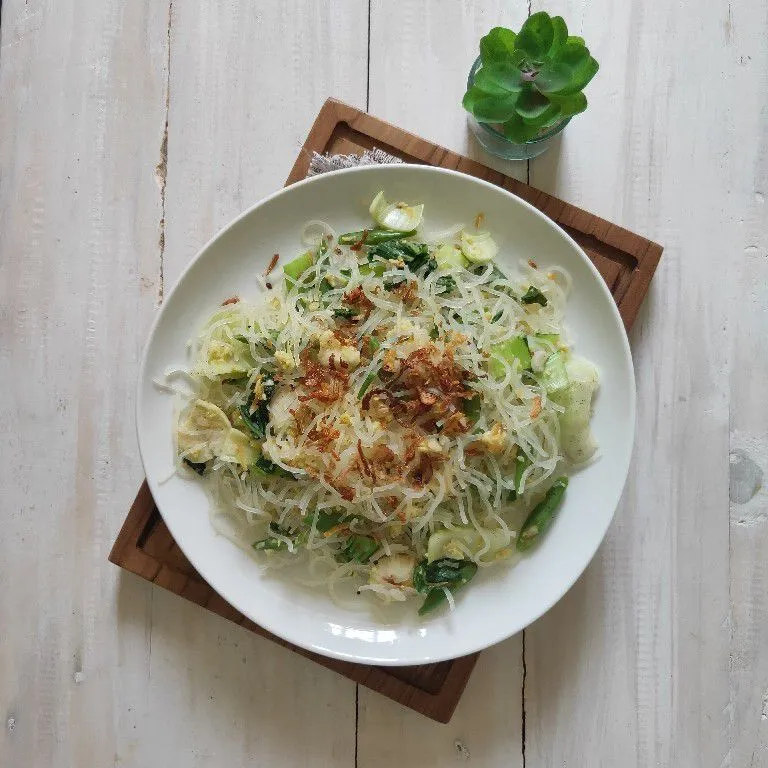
(415, 255)
(359, 548)
(434, 578)
(369, 379)
(263, 467)
(297, 267)
(346, 313)
(554, 377)
(522, 462)
(530, 81)
(514, 349)
(534, 296)
(272, 543)
(472, 409)
(450, 256)
(537, 523)
(373, 236)
(445, 284)
(324, 520)
(258, 420)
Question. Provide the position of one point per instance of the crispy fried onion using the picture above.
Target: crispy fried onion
(324, 384)
(428, 391)
(357, 300)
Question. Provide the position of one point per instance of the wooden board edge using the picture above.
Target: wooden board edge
(133, 525)
(329, 116)
(126, 554)
(636, 293)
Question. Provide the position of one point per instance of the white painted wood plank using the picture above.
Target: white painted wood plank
(246, 82)
(484, 730)
(100, 669)
(747, 56)
(81, 88)
(633, 664)
(421, 53)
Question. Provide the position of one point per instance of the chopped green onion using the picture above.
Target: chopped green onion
(435, 577)
(359, 548)
(522, 462)
(373, 236)
(296, 268)
(537, 523)
(369, 379)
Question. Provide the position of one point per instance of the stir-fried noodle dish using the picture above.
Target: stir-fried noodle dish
(394, 409)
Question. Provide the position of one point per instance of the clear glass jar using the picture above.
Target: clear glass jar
(498, 144)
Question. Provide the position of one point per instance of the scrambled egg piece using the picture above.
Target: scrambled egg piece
(379, 409)
(395, 570)
(430, 447)
(284, 361)
(342, 353)
(495, 439)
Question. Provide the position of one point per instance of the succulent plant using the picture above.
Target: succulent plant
(531, 80)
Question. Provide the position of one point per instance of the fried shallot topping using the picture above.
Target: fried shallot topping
(428, 390)
(324, 384)
(357, 299)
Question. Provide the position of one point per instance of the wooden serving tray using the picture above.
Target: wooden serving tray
(626, 261)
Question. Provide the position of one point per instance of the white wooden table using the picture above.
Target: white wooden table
(130, 132)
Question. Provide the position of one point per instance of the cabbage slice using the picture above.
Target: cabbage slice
(479, 248)
(398, 217)
(576, 435)
(447, 543)
(204, 431)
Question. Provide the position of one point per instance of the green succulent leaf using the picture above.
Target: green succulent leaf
(547, 118)
(530, 80)
(499, 79)
(536, 36)
(574, 59)
(488, 108)
(560, 36)
(570, 105)
(517, 130)
(531, 104)
(581, 78)
(553, 77)
(497, 45)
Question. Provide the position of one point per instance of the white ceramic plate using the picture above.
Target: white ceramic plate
(500, 601)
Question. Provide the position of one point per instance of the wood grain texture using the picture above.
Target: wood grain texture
(98, 670)
(420, 57)
(80, 125)
(245, 80)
